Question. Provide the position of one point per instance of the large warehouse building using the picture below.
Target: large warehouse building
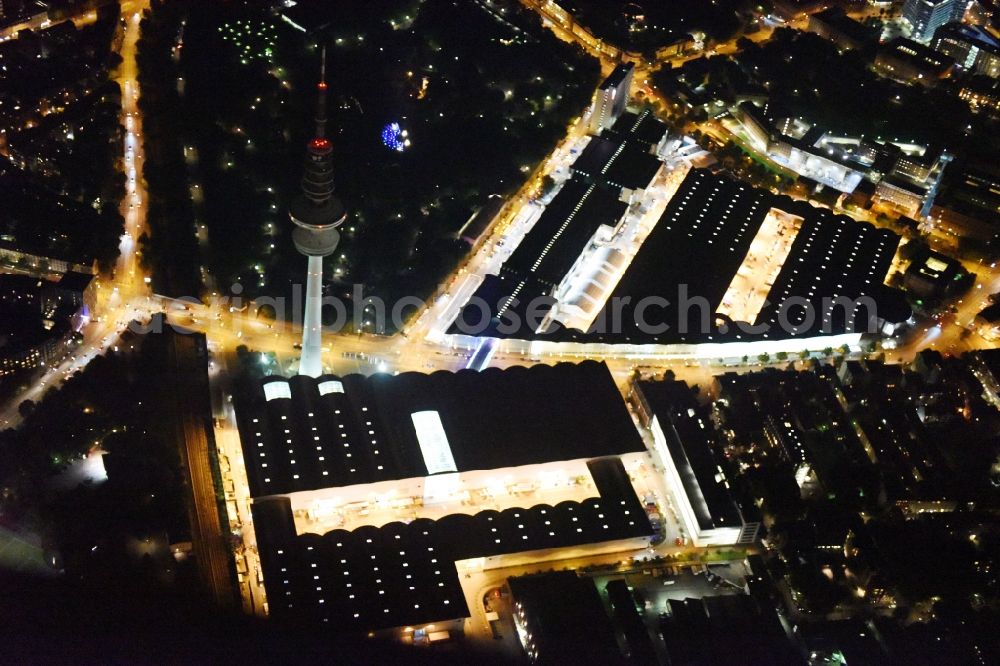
(548, 252)
(771, 259)
(371, 493)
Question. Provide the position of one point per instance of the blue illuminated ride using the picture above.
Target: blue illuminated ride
(395, 138)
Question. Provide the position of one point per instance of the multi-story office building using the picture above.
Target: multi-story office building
(900, 193)
(917, 167)
(969, 204)
(549, 609)
(982, 94)
(845, 32)
(973, 49)
(755, 123)
(908, 61)
(926, 16)
(611, 98)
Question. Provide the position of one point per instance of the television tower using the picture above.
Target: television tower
(316, 214)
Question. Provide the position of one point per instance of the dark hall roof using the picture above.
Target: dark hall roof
(404, 574)
(617, 76)
(556, 606)
(509, 300)
(544, 256)
(709, 222)
(644, 128)
(834, 256)
(562, 232)
(618, 163)
(338, 431)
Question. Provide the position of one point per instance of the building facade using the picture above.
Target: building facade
(926, 16)
(900, 194)
(611, 98)
(908, 61)
(973, 49)
(982, 95)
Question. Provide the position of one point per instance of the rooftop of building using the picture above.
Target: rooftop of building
(617, 76)
(902, 182)
(542, 259)
(14, 286)
(755, 113)
(917, 55)
(798, 411)
(711, 221)
(930, 3)
(689, 442)
(629, 621)
(725, 629)
(852, 639)
(982, 85)
(644, 128)
(834, 256)
(566, 616)
(23, 328)
(983, 179)
(838, 20)
(618, 163)
(969, 33)
(936, 267)
(990, 358)
(913, 466)
(404, 574)
(973, 190)
(549, 250)
(74, 281)
(306, 433)
(480, 221)
(509, 298)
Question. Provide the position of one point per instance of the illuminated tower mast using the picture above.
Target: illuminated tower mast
(316, 214)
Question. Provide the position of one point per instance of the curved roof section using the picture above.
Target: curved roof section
(404, 574)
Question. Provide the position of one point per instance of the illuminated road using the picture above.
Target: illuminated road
(129, 279)
(116, 294)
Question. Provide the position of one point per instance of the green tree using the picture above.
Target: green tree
(548, 184)
(26, 408)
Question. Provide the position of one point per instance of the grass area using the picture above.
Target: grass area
(21, 556)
